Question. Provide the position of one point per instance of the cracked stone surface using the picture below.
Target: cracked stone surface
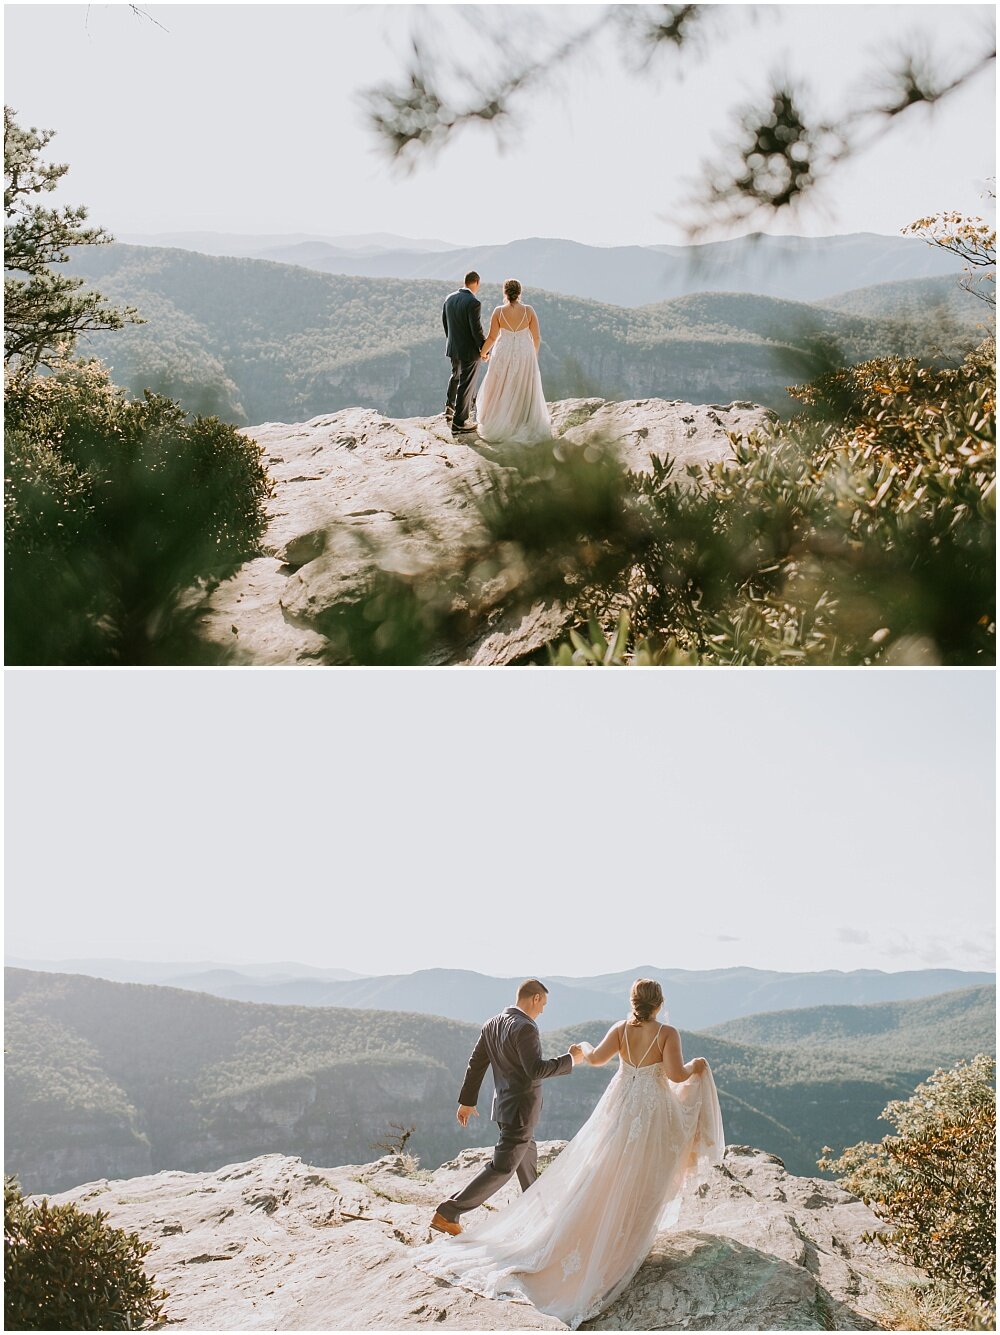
(274, 1244)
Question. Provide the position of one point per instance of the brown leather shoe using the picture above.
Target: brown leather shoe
(443, 1225)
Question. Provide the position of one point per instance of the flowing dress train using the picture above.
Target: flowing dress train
(510, 405)
(573, 1241)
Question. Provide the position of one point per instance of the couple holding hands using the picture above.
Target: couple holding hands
(574, 1238)
(511, 404)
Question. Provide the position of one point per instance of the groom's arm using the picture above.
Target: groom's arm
(476, 322)
(444, 318)
(478, 1064)
(529, 1051)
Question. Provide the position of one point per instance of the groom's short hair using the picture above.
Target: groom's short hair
(471, 277)
(531, 987)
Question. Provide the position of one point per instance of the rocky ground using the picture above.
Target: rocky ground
(351, 480)
(273, 1244)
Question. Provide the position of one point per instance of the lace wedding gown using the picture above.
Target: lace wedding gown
(573, 1241)
(510, 405)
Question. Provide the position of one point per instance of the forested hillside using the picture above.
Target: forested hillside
(111, 1079)
(911, 299)
(256, 341)
(897, 1032)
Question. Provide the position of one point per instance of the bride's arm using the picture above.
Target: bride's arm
(536, 336)
(606, 1049)
(673, 1059)
(494, 333)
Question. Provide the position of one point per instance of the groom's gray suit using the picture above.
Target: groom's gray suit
(510, 1045)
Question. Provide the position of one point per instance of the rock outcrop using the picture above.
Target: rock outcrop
(352, 481)
(275, 1245)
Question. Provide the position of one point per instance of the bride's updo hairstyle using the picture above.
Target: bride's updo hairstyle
(512, 289)
(646, 998)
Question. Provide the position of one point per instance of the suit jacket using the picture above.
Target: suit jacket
(510, 1045)
(463, 326)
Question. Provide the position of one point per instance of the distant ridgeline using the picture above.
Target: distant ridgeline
(255, 341)
(116, 1079)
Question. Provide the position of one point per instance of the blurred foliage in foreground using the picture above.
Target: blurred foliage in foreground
(65, 1269)
(116, 514)
(934, 1184)
(861, 531)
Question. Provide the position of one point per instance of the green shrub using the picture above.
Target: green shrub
(934, 1181)
(861, 531)
(116, 513)
(65, 1269)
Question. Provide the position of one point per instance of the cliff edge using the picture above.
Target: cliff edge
(273, 1244)
(353, 481)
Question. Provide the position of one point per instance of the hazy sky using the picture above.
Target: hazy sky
(570, 822)
(246, 118)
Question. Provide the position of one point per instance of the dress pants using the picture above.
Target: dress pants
(461, 398)
(516, 1152)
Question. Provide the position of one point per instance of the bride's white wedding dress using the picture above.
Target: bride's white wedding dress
(573, 1241)
(510, 405)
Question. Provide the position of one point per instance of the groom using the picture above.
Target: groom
(464, 330)
(509, 1044)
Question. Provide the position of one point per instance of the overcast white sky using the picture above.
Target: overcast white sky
(508, 822)
(245, 118)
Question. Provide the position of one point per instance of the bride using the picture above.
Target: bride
(573, 1241)
(510, 404)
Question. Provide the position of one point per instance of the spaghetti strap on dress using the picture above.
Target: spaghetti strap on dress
(637, 1066)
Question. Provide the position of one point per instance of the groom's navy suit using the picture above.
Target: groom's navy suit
(461, 317)
(510, 1045)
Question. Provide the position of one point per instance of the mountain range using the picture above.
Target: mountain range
(796, 268)
(257, 246)
(116, 1080)
(186, 974)
(255, 341)
(697, 998)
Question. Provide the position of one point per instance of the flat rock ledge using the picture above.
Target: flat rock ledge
(350, 481)
(273, 1244)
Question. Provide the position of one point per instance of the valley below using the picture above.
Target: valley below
(114, 1080)
(256, 339)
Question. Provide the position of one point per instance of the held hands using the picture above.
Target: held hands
(580, 1052)
(699, 1065)
(464, 1113)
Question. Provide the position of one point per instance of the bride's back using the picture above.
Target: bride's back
(514, 317)
(640, 1043)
